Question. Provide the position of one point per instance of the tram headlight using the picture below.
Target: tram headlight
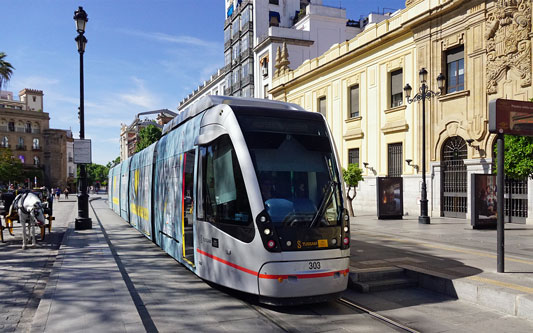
(289, 243)
(346, 217)
(346, 229)
(271, 244)
(267, 231)
(334, 241)
(262, 219)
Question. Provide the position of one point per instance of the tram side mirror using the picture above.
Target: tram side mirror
(209, 133)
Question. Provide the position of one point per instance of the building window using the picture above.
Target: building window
(264, 66)
(235, 28)
(322, 106)
(354, 101)
(34, 98)
(227, 58)
(21, 143)
(35, 143)
(274, 19)
(455, 67)
(36, 160)
(244, 43)
(396, 88)
(245, 69)
(273, 2)
(236, 52)
(265, 91)
(353, 156)
(245, 18)
(11, 126)
(28, 127)
(5, 142)
(227, 34)
(395, 159)
(236, 73)
(228, 80)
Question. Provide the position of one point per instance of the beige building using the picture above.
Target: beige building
(484, 50)
(24, 128)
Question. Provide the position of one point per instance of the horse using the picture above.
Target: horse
(30, 213)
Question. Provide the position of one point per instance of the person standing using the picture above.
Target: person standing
(66, 193)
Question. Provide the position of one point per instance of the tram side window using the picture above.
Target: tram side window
(225, 201)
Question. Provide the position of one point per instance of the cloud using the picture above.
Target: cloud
(162, 37)
(140, 96)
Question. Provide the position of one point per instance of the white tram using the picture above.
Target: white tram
(245, 193)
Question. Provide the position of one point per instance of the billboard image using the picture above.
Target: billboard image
(390, 197)
(484, 209)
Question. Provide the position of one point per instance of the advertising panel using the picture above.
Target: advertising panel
(483, 198)
(390, 197)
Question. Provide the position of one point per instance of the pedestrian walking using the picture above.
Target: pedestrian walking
(66, 193)
(58, 193)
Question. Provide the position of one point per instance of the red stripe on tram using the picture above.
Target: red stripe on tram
(272, 276)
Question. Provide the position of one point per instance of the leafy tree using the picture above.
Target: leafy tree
(6, 70)
(147, 136)
(96, 173)
(518, 153)
(10, 167)
(114, 162)
(352, 177)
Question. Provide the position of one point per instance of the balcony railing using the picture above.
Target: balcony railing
(21, 147)
(71, 174)
(5, 146)
(70, 159)
(36, 148)
(247, 79)
(246, 27)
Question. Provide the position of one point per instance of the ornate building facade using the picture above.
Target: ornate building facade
(482, 47)
(24, 128)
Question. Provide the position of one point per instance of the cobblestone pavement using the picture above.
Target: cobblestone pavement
(24, 273)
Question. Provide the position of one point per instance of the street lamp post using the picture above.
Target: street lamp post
(83, 221)
(421, 96)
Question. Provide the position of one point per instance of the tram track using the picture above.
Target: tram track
(351, 304)
(285, 326)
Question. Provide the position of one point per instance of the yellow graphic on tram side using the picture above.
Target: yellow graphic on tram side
(140, 211)
(136, 181)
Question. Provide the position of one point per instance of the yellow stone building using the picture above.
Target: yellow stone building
(482, 47)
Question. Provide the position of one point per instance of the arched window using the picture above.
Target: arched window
(36, 160)
(5, 142)
(36, 143)
(20, 145)
(28, 127)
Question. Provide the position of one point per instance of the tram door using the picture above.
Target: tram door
(188, 206)
(454, 178)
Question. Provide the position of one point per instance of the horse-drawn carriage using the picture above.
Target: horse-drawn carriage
(11, 215)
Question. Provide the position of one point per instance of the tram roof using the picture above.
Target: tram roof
(209, 101)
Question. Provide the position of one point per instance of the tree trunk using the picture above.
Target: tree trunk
(350, 199)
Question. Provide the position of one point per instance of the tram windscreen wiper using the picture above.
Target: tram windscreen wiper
(323, 204)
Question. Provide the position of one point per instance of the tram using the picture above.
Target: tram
(245, 193)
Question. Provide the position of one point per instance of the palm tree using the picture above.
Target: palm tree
(6, 69)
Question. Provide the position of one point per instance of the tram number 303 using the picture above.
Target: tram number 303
(314, 265)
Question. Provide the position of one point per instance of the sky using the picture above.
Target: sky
(141, 55)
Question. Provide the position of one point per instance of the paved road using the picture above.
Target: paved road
(170, 298)
(24, 273)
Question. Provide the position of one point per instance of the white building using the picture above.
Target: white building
(254, 29)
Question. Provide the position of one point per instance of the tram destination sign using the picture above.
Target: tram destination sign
(508, 116)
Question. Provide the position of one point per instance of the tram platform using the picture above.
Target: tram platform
(87, 287)
(448, 256)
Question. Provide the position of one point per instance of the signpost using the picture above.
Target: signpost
(82, 151)
(507, 117)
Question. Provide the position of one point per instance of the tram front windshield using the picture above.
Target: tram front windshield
(296, 169)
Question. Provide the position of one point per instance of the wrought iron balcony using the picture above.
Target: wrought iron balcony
(21, 147)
